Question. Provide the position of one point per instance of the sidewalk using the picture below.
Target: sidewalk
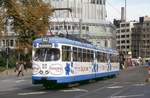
(11, 73)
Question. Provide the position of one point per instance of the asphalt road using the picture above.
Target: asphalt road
(129, 84)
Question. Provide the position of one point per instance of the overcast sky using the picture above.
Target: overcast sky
(135, 9)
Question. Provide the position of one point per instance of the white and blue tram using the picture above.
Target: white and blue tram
(62, 60)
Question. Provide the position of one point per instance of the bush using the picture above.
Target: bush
(2, 61)
(2, 69)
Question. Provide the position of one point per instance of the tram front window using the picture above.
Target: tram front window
(47, 54)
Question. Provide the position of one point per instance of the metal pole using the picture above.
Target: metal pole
(7, 57)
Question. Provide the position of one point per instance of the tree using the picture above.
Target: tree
(30, 20)
(31, 17)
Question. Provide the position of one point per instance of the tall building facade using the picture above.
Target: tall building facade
(141, 38)
(124, 37)
(87, 19)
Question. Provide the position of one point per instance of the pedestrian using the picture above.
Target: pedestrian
(16, 67)
(121, 61)
(25, 66)
(20, 69)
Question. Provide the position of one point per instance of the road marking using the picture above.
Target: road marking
(7, 80)
(75, 90)
(31, 93)
(114, 87)
(10, 89)
(18, 81)
(141, 84)
(94, 91)
(128, 96)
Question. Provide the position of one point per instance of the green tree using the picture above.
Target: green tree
(31, 17)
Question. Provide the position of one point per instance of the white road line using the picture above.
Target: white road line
(140, 84)
(128, 96)
(115, 87)
(18, 81)
(31, 93)
(75, 90)
(7, 80)
(10, 89)
(99, 89)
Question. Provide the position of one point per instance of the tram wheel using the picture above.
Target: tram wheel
(46, 85)
(49, 85)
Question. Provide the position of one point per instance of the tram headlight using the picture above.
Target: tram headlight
(41, 72)
(36, 68)
(47, 72)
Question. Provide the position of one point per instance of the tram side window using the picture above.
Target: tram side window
(101, 57)
(66, 53)
(79, 58)
(105, 58)
(98, 56)
(75, 56)
(84, 52)
(113, 58)
(88, 55)
(91, 56)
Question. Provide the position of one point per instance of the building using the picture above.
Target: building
(141, 38)
(81, 18)
(85, 19)
(8, 37)
(124, 37)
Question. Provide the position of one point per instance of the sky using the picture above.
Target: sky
(135, 9)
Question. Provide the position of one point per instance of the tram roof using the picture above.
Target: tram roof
(63, 40)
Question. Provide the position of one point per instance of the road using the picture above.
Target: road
(129, 83)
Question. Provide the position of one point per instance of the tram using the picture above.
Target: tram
(61, 60)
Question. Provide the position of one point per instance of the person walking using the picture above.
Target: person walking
(20, 69)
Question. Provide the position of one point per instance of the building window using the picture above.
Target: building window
(122, 25)
(128, 41)
(127, 36)
(122, 47)
(104, 2)
(11, 43)
(122, 36)
(118, 42)
(118, 36)
(118, 31)
(99, 1)
(123, 41)
(93, 1)
(83, 27)
(127, 25)
(87, 28)
(127, 30)
(69, 27)
(106, 43)
(147, 24)
(123, 31)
